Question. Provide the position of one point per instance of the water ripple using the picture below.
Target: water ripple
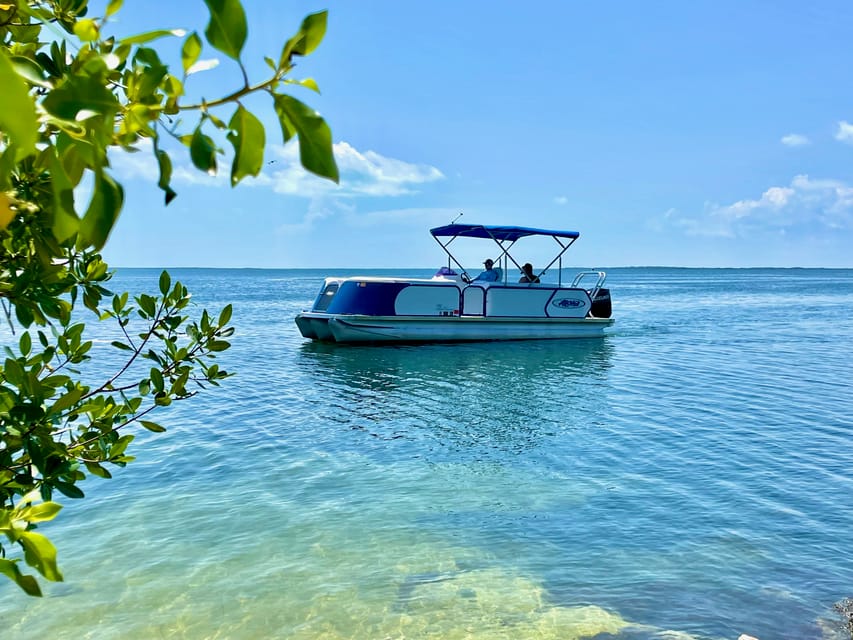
(688, 474)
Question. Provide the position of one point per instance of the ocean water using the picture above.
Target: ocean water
(688, 476)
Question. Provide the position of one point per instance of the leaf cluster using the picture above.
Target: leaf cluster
(69, 94)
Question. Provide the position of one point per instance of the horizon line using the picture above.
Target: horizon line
(574, 268)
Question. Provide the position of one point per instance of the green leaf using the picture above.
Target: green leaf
(247, 138)
(103, 212)
(148, 304)
(65, 220)
(218, 345)
(119, 446)
(315, 137)
(225, 315)
(39, 513)
(27, 583)
(308, 83)
(13, 372)
(68, 489)
(55, 381)
(7, 214)
(80, 93)
(152, 426)
(40, 553)
(66, 401)
(24, 33)
(308, 38)
(227, 29)
(173, 87)
(25, 344)
(8, 160)
(76, 156)
(142, 38)
(119, 302)
(165, 282)
(86, 30)
(24, 314)
(165, 164)
(30, 71)
(156, 379)
(203, 152)
(219, 124)
(113, 7)
(190, 51)
(97, 470)
(17, 109)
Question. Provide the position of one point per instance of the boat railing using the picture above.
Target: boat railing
(585, 275)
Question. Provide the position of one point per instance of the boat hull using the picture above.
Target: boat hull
(347, 328)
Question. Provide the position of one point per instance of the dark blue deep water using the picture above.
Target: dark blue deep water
(688, 476)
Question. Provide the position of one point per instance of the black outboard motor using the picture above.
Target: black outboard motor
(601, 307)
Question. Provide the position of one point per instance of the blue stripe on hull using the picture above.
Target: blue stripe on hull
(366, 298)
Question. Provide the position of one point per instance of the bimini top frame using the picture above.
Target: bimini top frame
(505, 237)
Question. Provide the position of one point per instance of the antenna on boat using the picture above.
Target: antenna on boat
(457, 218)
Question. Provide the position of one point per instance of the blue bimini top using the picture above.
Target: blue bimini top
(497, 232)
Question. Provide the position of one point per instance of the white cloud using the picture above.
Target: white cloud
(188, 174)
(774, 199)
(845, 132)
(138, 164)
(367, 174)
(795, 140)
(362, 174)
(826, 204)
(561, 200)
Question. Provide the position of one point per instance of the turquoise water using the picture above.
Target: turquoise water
(690, 475)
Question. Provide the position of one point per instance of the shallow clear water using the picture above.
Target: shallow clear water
(690, 473)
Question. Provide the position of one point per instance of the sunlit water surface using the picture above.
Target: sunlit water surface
(690, 475)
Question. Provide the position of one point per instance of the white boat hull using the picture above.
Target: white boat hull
(362, 328)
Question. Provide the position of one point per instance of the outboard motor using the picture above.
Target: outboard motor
(601, 307)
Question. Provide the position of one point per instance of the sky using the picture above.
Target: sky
(699, 134)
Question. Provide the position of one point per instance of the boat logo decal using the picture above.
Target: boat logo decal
(568, 303)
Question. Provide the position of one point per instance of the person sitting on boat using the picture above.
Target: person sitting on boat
(490, 274)
(527, 274)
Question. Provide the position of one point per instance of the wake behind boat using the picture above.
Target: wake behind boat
(453, 306)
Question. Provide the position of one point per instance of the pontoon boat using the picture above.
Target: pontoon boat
(452, 306)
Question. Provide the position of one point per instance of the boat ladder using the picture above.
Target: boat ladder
(599, 275)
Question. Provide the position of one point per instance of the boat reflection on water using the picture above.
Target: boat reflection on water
(476, 397)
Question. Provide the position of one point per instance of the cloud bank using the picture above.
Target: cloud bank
(805, 203)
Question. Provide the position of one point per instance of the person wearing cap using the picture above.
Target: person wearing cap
(490, 274)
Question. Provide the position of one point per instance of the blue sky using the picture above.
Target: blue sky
(671, 133)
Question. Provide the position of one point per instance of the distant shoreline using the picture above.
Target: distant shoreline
(431, 268)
